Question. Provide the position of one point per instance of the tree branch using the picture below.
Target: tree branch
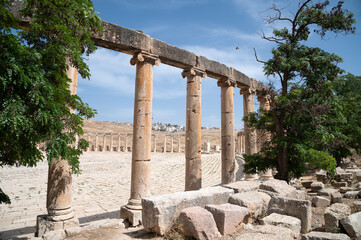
(255, 54)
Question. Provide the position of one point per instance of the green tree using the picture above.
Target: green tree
(305, 114)
(35, 101)
(348, 91)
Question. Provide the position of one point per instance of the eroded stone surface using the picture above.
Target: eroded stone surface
(276, 219)
(197, 222)
(333, 214)
(267, 232)
(352, 225)
(296, 208)
(280, 187)
(256, 202)
(228, 217)
(243, 186)
(325, 236)
(160, 212)
(316, 186)
(320, 201)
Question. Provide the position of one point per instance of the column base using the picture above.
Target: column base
(134, 216)
(44, 224)
(251, 176)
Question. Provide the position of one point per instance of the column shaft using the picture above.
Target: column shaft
(193, 178)
(111, 142)
(227, 132)
(118, 148)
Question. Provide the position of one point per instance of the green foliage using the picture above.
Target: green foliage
(35, 99)
(306, 117)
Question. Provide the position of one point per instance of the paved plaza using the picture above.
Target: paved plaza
(98, 192)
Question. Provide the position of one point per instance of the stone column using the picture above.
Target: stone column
(142, 132)
(193, 176)
(88, 148)
(118, 148)
(96, 143)
(227, 131)
(179, 144)
(250, 136)
(165, 145)
(155, 143)
(111, 143)
(125, 143)
(265, 104)
(104, 142)
(171, 144)
(58, 202)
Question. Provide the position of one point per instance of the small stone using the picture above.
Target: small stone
(333, 214)
(228, 217)
(336, 197)
(325, 236)
(316, 186)
(197, 222)
(280, 220)
(352, 225)
(351, 194)
(320, 201)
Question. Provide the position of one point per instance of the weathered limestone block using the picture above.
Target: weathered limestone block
(334, 214)
(240, 77)
(280, 187)
(301, 195)
(346, 189)
(352, 225)
(344, 177)
(172, 55)
(336, 197)
(214, 69)
(339, 184)
(55, 235)
(358, 176)
(351, 194)
(326, 192)
(322, 176)
(320, 201)
(276, 219)
(296, 208)
(243, 186)
(197, 222)
(160, 212)
(306, 183)
(267, 232)
(122, 39)
(316, 186)
(228, 217)
(256, 202)
(325, 236)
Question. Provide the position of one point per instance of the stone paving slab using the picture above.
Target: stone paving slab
(98, 192)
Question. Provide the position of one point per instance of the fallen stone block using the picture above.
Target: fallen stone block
(316, 186)
(197, 222)
(307, 183)
(346, 189)
(280, 220)
(160, 212)
(336, 197)
(325, 236)
(326, 192)
(334, 214)
(280, 187)
(352, 225)
(322, 176)
(228, 217)
(351, 194)
(256, 202)
(243, 186)
(320, 201)
(344, 177)
(301, 195)
(267, 232)
(296, 208)
(339, 184)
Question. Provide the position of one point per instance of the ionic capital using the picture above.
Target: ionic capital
(194, 72)
(226, 83)
(145, 57)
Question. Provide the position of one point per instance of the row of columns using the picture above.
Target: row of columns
(59, 184)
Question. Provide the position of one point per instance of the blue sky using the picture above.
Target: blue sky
(212, 28)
